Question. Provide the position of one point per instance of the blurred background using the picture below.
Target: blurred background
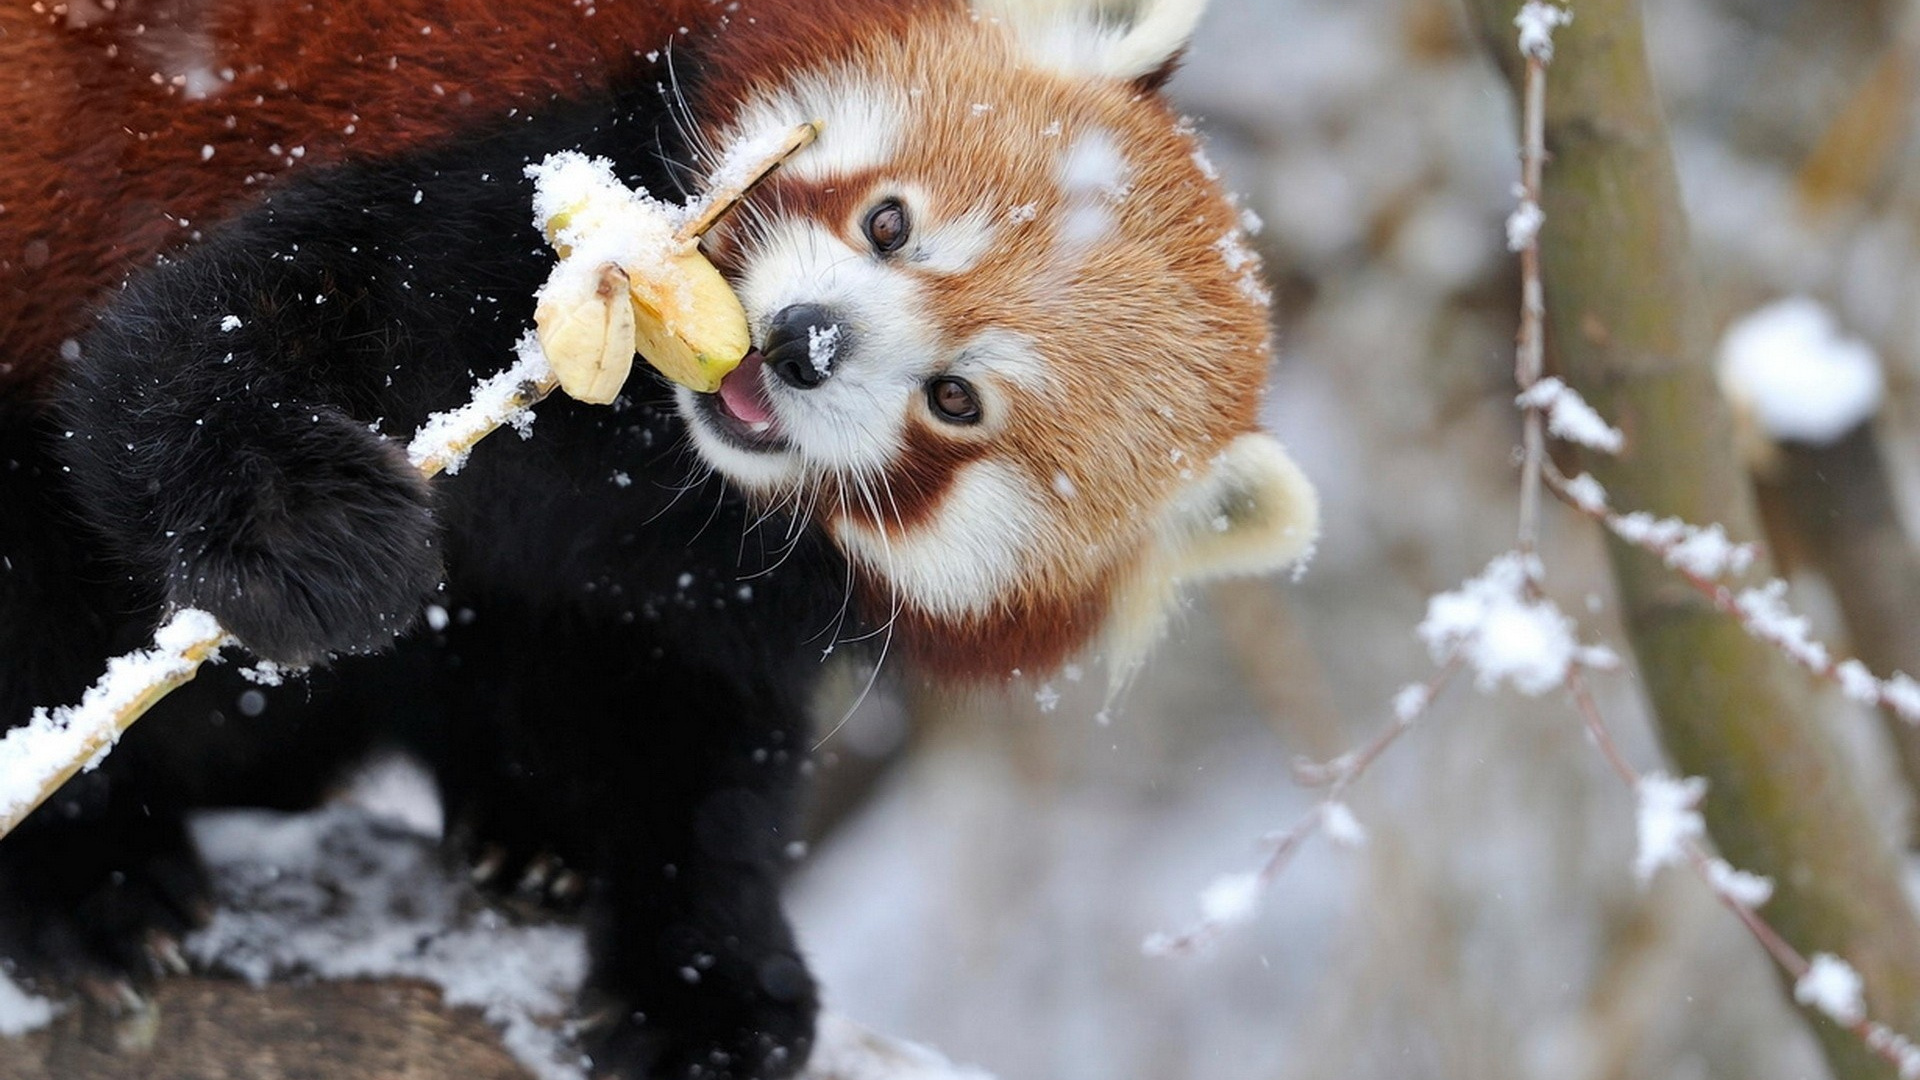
(986, 870)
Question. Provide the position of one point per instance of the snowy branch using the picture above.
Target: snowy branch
(37, 758)
(1702, 555)
(1234, 898)
(1503, 625)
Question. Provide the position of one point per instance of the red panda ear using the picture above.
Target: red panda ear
(1251, 512)
(1152, 81)
(1132, 40)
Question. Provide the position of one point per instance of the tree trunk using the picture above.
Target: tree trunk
(1624, 325)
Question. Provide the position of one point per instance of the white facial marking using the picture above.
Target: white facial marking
(863, 123)
(852, 422)
(967, 556)
(955, 245)
(769, 473)
(1005, 354)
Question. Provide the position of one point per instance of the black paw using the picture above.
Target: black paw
(320, 540)
(762, 1032)
(100, 908)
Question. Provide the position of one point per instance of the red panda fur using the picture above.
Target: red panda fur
(108, 158)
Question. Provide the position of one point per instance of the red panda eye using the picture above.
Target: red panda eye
(886, 227)
(952, 400)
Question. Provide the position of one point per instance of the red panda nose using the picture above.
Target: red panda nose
(802, 343)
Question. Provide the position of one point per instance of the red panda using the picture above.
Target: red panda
(1010, 344)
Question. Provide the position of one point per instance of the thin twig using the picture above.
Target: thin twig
(1897, 693)
(1883, 1042)
(1336, 776)
(1530, 356)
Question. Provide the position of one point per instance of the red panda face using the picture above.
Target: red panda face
(1010, 343)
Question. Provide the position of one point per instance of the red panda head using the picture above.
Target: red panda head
(1011, 341)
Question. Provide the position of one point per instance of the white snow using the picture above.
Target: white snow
(1410, 701)
(1857, 682)
(1537, 22)
(1902, 694)
(1503, 634)
(32, 755)
(1743, 888)
(1587, 494)
(1666, 821)
(341, 893)
(229, 323)
(1800, 376)
(848, 1052)
(1832, 986)
(1244, 263)
(1523, 225)
(737, 165)
(1341, 827)
(496, 401)
(1231, 898)
(21, 1012)
(1703, 552)
(1765, 614)
(822, 345)
(604, 221)
(1570, 417)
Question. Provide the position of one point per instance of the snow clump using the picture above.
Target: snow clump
(1802, 380)
(1504, 634)
(1668, 820)
(1832, 986)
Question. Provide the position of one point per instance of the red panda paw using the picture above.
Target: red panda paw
(318, 540)
(755, 1037)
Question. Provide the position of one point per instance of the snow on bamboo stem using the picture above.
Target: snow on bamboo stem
(56, 744)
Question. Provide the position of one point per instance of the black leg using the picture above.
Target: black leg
(669, 786)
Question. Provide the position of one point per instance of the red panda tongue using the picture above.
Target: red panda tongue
(743, 395)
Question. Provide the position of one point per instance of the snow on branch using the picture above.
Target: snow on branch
(1502, 624)
(1506, 631)
(1537, 21)
(1832, 986)
(1667, 820)
(1570, 417)
(1703, 555)
(1235, 897)
(35, 759)
(503, 400)
(1789, 368)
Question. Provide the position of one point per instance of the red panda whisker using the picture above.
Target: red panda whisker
(885, 631)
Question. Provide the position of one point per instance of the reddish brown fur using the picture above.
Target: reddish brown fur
(1159, 356)
(101, 158)
(1150, 342)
